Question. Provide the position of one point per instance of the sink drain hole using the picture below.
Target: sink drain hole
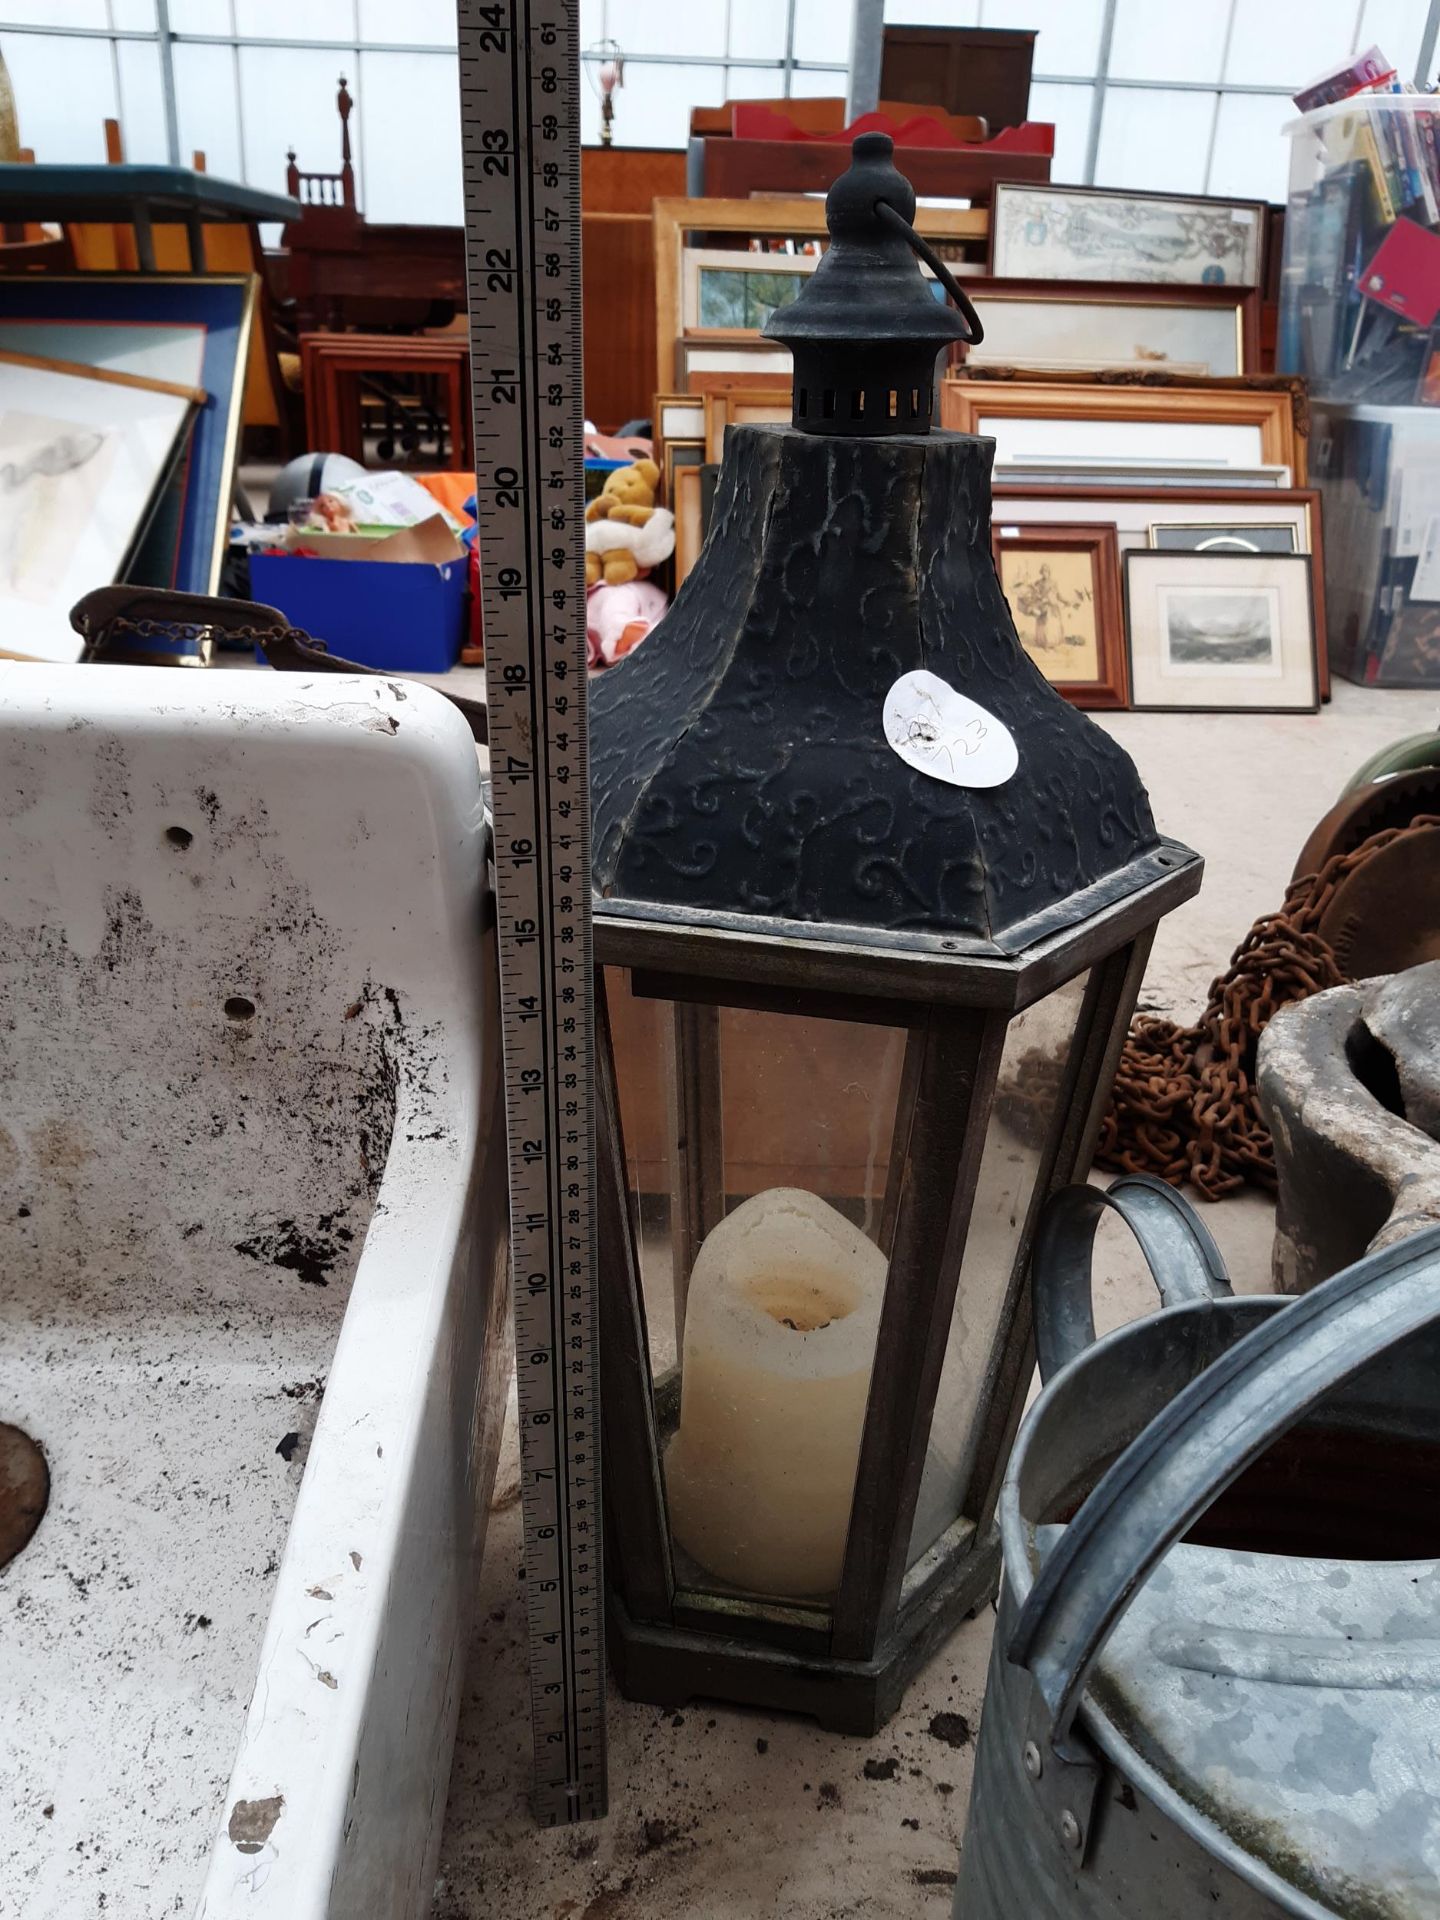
(24, 1491)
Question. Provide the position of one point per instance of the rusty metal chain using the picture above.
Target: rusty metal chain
(1184, 1104)
(171, 630)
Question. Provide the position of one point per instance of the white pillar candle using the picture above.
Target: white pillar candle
(780, 1328)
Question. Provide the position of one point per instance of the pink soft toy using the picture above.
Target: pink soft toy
(618, 618)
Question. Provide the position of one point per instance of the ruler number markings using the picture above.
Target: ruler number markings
(523, 271)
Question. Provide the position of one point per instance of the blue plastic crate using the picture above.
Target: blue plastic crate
(400, 616)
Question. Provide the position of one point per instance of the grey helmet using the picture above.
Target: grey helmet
(306, 476)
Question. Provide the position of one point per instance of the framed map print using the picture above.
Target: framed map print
(1084, 233)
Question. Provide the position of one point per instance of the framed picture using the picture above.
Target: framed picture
(1055, 326)
(677, 416)
(1086, 233)
(1063, 588)
(1204, 423)
(726, 290)
(768, 406)
(685, 503)
(184, 546)
(676, 420)
(1133, 510)
(1035, 471)
(743, 382)
(1221, 631)
(1223, 536)
(1044, 325)
(743, 360)
(1427, 389)
(790, 217)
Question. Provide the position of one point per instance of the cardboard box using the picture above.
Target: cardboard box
(398, 603)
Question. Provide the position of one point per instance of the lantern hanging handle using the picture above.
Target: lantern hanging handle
(1183, 1259)
(974, 330)
(1197, 1445)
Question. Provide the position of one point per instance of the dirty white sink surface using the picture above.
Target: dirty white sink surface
(249, 1303)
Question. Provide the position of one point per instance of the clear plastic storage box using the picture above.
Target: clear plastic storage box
(1360, 290)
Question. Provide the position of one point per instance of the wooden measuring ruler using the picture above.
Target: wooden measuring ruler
(520, 126)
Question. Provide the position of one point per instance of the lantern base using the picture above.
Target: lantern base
(667, 1666)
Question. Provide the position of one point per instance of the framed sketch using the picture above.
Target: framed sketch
(1222, 536)
(1226, 632)
(1044, 232)
(1063, 588)
(83, 453)
(1214, 423)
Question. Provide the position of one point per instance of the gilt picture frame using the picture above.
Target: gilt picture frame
(1217, 422)
(764, 406)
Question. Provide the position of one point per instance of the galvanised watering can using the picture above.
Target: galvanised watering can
(1215, 1684)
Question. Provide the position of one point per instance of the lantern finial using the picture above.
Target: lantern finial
(867, 326)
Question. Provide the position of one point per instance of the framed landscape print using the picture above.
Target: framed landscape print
(1062, 584)
(729, 291)
(1221, 631)
(766, 221)
(1049, 326)
(1044, 232)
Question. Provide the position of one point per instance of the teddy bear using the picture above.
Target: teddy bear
(626, 533)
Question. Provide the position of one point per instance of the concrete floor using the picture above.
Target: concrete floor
(719, 1812)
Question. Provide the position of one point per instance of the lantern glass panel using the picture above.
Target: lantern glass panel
(639, 1030)
(778, 1224)
(810, 1103)
(1031, 1089)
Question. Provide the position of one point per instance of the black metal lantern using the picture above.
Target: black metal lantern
(872, 905)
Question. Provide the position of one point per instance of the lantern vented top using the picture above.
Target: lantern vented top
(867, 326)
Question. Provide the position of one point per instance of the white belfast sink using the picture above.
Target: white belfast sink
(252, 1297)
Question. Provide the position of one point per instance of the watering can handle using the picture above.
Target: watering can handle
(1198, 1444)
(1184, 1261)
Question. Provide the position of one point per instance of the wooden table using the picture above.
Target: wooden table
(332, 366)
